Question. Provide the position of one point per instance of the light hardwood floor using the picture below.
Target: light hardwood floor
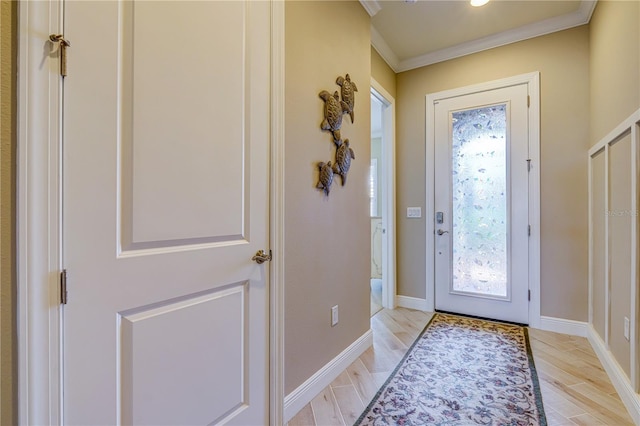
(575, 388)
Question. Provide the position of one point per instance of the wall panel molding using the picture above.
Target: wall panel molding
(627, 385)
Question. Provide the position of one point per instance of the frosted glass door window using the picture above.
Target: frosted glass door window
(479, 201)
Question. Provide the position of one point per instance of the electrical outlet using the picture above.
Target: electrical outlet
(414, 212)
(626, 328)
(334, 315)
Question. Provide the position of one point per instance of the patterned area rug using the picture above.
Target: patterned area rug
(462, 371)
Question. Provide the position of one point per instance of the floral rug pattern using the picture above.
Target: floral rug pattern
(462, 371)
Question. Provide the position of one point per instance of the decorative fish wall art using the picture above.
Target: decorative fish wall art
(335, 106)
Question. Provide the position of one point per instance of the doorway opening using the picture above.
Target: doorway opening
(382, 199)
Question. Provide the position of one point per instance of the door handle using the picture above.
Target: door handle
(440, 232)
(261, 257)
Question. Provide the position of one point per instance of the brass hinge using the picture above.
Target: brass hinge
(63, 43)
(528, 101)
(63, 287)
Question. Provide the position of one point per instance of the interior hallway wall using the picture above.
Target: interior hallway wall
(614, 64)
(8, 338)
(615, 94)
(327, 238)
(383, 73)
(563, 61)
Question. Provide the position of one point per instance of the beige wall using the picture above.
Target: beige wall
(327, 239)
(563, 61)
(382, 73)
(615, 94)
(619, 233)
(614, 65)
(8, 370)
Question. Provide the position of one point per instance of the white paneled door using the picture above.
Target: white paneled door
(482, 204)
(166, 162)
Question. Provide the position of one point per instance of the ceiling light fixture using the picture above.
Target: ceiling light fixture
(478, 3)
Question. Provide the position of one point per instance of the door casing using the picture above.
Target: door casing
(40, 211)
(388, 194)
(532, 80)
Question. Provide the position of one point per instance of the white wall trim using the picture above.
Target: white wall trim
(413, 303)
(614, 134)
(633, 297)
(579, 17)
(564, 326)
(533, 83)
(308, 390)
(618, 377)
(628, 127)
(384, 50)
(277, 208)
(388, 193)
(371, 6)
(39, 194)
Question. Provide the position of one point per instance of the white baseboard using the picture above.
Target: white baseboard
(411, 303)
(564, 326)
(618, 377)
(303, 394)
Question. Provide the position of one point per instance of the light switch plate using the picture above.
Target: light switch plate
(414, 212)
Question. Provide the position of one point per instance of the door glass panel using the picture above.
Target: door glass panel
(479, 195)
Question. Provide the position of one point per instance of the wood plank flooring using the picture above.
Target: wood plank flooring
(575, 388)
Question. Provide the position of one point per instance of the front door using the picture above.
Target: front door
(166, 148)
(481, 204)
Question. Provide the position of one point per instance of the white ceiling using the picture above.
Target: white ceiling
(412, 34)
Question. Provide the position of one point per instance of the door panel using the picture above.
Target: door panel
(166, 137)
(175, 90)
(481, 192)
(194, 329)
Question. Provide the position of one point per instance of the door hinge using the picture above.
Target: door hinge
(528, 101)
(529, 296)
(64, 44)
(63, 287)
(528, 164)
(529, 230)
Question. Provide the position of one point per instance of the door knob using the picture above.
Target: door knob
(440, 232)
(261, 257)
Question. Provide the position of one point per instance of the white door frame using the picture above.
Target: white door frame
(39, 247)
(533, 84)
(388, 194)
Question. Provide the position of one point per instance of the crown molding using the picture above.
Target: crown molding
(371, 6)
(384, 50)
(579, 17)
(586, 9)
